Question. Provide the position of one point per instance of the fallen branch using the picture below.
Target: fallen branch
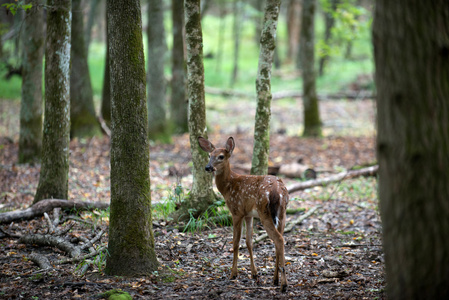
(47, 205)
(41, 261)
(52, 241)
(370, 171)
(290, 94)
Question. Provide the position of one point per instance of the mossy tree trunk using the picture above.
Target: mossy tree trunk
(263, 88)
(202, 194)
(53, 179)
(84, 122)
(131, 240)
(30, 140)
(411, 51)
(157, 49)
(312, 122)
(178, 103)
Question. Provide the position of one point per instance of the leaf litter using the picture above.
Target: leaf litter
(336, 253)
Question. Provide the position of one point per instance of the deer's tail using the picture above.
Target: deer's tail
(276, 198)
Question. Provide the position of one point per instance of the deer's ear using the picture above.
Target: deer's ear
(230, 144)
(205, 144)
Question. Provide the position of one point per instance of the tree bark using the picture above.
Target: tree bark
(30, 141)
(53, 179)
(157, 49)
(263, 89)
(84, 122)
(411, 51)
(179, 105)
(90, 23)
(312, 122)
(131, 240)
(202, 194)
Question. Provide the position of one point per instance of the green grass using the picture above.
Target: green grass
(339, 73)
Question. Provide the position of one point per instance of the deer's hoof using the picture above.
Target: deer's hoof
(283, 288)
(254, 276)
(276, 281)
(233, 276)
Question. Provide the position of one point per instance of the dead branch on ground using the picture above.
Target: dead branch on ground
(47, 205)
(370, 171)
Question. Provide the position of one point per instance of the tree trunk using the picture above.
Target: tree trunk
(30, 141)
(131, 240)
(157, 47)
(236, 37)
(84, 122)
(106, 92)
(90, 23)
(263, 88)
(202, 194)
(293, 28)
(329, 21)
(179, 105)
(53, 179)
(411, 51)
(312, 123)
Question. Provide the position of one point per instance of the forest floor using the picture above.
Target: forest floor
(335, 253)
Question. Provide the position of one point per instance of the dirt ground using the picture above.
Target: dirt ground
(335, 253)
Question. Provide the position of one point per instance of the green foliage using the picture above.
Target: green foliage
(14, 7)
(214, 214)
(352, 23)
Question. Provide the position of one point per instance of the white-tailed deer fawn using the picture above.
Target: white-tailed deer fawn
(249, 196)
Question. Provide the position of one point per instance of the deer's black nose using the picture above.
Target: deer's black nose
(209, 168)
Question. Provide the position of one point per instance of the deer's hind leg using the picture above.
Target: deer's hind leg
(278, 240)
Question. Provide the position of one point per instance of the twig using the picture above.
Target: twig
(56, 211)
(51, 228)
(94, 240)
(80, 258)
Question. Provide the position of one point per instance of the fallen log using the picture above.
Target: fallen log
(370, 171)
(47, 205)
(291, 94)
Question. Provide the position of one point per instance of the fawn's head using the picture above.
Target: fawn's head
(218, 156)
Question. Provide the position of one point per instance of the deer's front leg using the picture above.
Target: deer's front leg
(237, 225)
(249, 244)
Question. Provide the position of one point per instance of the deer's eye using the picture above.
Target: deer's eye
(221, 157)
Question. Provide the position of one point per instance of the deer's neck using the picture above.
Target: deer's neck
(223, 179)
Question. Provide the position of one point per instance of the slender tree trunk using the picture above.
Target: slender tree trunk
(90, 23)
(411, 51)
(329, 21)
(263, 88)
(236, 28)
(312, 122)
(157, 49)
(30, 141)
(179, 105)
(293, 28)
(131, 240)
(53, 179)
(84, 122)
(220, 39)
(106, 92)
(202, 194)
